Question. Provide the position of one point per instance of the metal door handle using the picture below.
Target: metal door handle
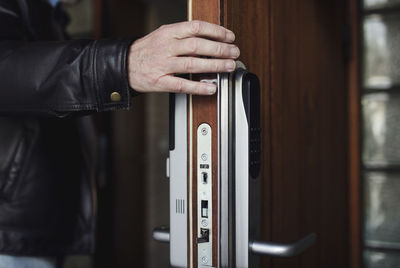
(161, 234)
(283, 250)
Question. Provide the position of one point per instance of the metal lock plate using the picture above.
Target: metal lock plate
(204, 195)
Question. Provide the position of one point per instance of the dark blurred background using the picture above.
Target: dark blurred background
(133, 145)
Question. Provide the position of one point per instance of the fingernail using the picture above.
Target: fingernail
(235, 52)
(230, 36)
(211, 89)
(230, 65)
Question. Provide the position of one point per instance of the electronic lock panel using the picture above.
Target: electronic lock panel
(215, 184)
(247, 182)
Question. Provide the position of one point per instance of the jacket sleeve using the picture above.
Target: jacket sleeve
(60, 78)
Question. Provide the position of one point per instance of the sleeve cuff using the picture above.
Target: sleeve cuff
(111, 75)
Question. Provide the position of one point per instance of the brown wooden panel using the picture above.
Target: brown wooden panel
(204, 110)
(309, 129)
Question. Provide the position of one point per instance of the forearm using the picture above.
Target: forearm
(62, 78)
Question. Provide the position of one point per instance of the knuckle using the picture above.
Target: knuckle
(216, 67)
(165, 29)
(195, 27)
(188, 65)
(219, 50)
(179, 87)
(193, 46)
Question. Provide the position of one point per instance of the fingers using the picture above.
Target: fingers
(186, 47)
(204, 47)
(180, 85)
(183, 30)
(201, 65)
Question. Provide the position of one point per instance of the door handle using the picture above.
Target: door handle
(283, 250)
(161, 234)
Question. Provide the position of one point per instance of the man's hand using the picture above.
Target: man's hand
(175, 49)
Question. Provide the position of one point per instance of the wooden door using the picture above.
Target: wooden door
(297, 49)
(307, 175)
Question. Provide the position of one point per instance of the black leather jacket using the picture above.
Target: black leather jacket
(46, 156)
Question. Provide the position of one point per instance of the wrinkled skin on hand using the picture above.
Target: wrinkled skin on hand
(176, 49)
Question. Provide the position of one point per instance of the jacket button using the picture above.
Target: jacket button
(115, 97)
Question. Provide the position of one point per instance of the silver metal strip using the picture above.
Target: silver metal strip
(190, 207)
(241, 178)
(223, 118)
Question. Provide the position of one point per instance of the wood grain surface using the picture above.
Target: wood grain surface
(308, 131)
(204, 110)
